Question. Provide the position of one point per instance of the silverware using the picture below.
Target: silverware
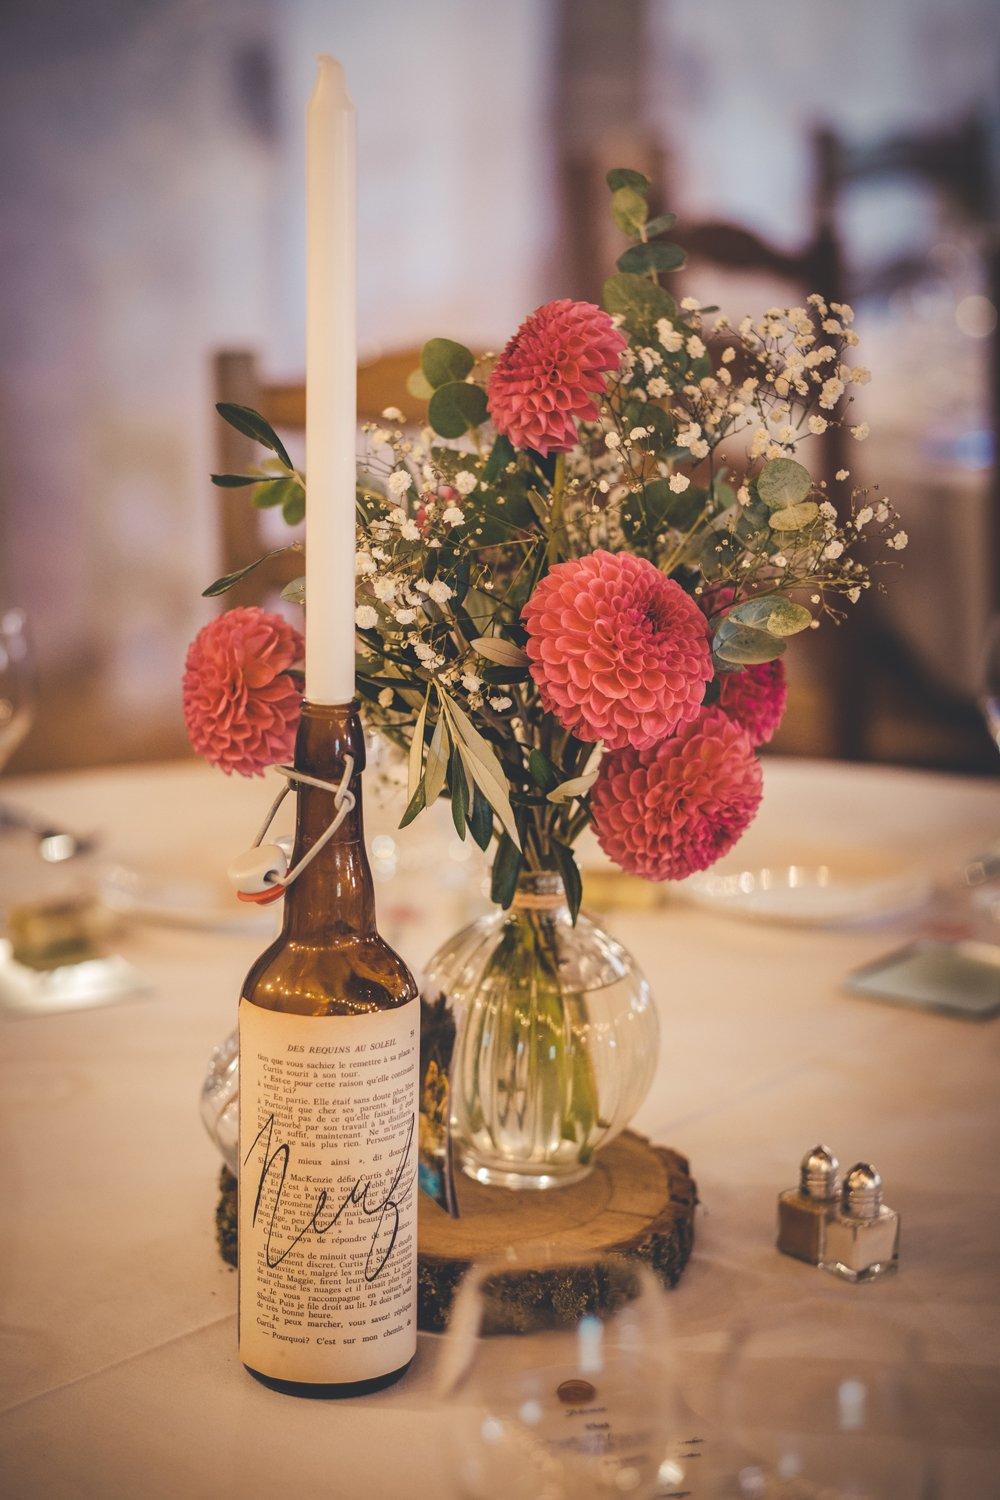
(55, 845)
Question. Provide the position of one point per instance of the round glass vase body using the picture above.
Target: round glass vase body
(557, 1039)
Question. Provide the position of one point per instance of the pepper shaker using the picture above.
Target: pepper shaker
(862, 1240)
(803, 1212)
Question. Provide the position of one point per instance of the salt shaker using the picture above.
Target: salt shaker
(803, 1212)
(862, 1239)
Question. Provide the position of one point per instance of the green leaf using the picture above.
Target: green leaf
(773, 613)
(228, 579)
(480, 819)
(482, 764)
(629, 210)
(419, 386)
(783, 482)
(577, 786)
(506, 869)
(240, 481)
(543, 772)
(416, 757)
(501, 454)
(455, 407)
(639, 302)
(794, 517)
(503, 652)
(569, 870)
(745, 646)
(295, 592)
(272, 495)
(442, 361)
(437, 760)
(293, 508)
(459, 792)
(658, 255)
(660, 225)
(625, 177)
(416, 805)
(253, 425)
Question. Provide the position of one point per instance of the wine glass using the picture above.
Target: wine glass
(989, 679)
(17, 681)
(557, 1374)
(823, 1403)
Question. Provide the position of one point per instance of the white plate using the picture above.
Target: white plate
(836, 888)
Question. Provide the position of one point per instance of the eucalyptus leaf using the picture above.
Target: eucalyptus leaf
(437, 760)
(416, 757)
(629, 210)
(480, 819)
(228, 579)
(773, 613)
(503, 652)
(501, 454)
(794, 517)
(543, 772)
(418, 386)
(571, 878)
(293, 508)
(459, 791)
(744, 645)
(506, 869)
(656, 255)
(783, 482)
(639, 302)
(625, 177)
(295, 591)
(483, 766)
(253, 425)
(240, 481)
(442, 361)
(660, 225)
(416, 805)
(455, 407)
(270, 496)
(577, 786)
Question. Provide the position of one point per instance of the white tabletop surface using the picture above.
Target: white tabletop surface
(119, 1369)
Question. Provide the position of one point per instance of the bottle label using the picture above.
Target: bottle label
(327, 1193)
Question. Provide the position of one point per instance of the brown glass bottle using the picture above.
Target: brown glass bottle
(329, 1044)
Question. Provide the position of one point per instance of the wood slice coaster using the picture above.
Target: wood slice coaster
(638, 1201)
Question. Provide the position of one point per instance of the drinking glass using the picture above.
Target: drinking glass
(17, 681)
(989, 679)
(557, 1374)
(823, 1403)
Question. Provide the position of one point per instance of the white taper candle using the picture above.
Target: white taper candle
(331, 386)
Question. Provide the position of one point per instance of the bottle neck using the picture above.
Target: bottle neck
(539, 891)
(334, 896)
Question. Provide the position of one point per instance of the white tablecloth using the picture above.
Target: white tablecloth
(120, 1375)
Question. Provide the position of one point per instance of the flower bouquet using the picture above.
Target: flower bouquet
(575, 586)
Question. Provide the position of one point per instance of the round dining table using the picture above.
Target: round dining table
(120, 1375)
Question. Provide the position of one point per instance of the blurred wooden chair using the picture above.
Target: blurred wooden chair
(238, 378)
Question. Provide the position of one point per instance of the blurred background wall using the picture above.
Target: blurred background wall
(153, 190)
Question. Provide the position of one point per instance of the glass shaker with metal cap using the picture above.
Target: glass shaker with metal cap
(804, 1211)
(862, 1240)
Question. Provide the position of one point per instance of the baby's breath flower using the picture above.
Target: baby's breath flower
(842, 474)
(860, 375)
(393, 414)
(860, 432)
(695, 347)
(832, 550)
(678, 483)
(365, 617)
(385, 698)
(657, 387)
(398, 483)
(831, 392)
(364, 564)
(439, 591)
(898, 541)
(500, 703)
(863, 516)
(465, 482)
(690, 304)
(728, 355)
(670, 337)
(453, 516)
(612, 440)
(817, 425)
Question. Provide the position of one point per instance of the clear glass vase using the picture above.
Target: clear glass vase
(557, 1038)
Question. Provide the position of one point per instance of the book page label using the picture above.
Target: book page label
(327, 1193)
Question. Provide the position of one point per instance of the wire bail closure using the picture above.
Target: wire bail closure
(261, 875)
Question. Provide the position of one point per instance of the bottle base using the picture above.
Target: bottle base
(868, 1273)
(319, 1392)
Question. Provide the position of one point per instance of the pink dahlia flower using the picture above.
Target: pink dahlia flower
(755, 699)
(549, 373)
(241, 706)
(675, 808)
(618, 652)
